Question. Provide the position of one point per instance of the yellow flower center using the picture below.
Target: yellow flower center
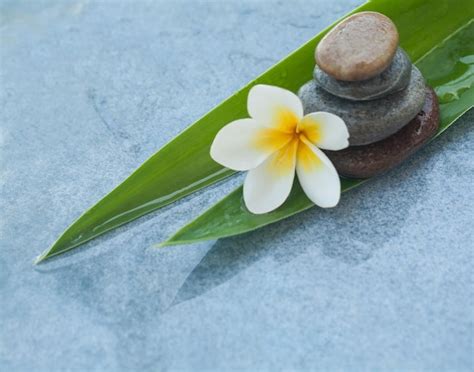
(290, 137)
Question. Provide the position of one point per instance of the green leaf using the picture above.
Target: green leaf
(447, 62)
(172, 173)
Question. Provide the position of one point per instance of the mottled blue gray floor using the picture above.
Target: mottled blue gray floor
(89, 90)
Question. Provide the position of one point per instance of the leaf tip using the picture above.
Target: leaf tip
(45, 255)
(162, 244)
(40, 258)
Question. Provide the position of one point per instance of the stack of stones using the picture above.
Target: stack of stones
(363, 76)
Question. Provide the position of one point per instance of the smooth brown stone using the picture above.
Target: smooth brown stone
(370, 160)
(358, 48)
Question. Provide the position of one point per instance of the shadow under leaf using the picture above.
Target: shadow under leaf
(364, 222)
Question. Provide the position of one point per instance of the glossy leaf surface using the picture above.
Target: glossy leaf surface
(172, 173)
(448, 66)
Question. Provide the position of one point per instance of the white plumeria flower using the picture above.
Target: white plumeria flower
(278, 140)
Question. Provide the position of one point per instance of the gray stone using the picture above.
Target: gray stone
(369, 121)
(375, 158)
(395, 78)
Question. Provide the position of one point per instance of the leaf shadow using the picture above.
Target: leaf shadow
(286, 240)
(124, 293)
(364, 222)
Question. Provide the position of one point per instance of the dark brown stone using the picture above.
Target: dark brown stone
(375, 158)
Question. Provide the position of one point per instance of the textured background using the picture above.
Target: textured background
(89, 90)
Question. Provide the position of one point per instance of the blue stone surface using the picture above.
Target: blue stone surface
(89, 90)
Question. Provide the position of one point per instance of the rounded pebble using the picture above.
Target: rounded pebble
(371, 160)
(358, 48)
(368, 121)
(395, 78)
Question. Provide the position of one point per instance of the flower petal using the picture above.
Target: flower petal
(267, 186)
(325, 130)
(244, 144)
(275, 107)
(317, 176)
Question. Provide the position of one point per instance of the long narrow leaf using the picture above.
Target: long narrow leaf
(447, 62)
(172, 173)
